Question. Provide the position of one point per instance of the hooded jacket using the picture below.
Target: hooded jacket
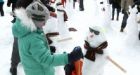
(34, 51)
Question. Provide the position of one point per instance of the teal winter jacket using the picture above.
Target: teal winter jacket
(34, 51)
(1, 1)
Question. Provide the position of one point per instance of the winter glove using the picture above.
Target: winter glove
(69, 68)
(75, 55)
(53, 49)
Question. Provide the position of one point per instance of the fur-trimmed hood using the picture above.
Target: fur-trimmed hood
(25, 20)
(23, 25)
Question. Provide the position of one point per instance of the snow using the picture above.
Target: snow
(125, 54)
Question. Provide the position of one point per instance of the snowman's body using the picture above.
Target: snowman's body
(61, 25)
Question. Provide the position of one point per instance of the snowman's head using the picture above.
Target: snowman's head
(95, 36)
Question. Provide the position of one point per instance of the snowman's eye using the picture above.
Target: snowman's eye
(94, 31)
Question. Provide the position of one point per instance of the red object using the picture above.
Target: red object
(53, 14)
(52, 1)
(78, 67)
(63, 2)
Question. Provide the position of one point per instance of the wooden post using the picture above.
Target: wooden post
(116, 64)
(65, 39)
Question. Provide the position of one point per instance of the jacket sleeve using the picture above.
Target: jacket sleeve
(41, 53)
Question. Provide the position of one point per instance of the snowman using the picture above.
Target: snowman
(95, 53)
(61, 18)
(105, 15)
(132, 28)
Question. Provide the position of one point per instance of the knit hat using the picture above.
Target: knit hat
(38, 12)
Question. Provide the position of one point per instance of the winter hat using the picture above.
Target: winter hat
(38, 12)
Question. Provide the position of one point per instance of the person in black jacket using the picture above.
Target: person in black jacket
(116, 4)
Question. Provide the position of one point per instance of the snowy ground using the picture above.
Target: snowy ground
(127, 55)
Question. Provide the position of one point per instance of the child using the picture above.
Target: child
(34, 51)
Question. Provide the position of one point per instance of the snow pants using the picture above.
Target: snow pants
(81, 5)
(118, 8)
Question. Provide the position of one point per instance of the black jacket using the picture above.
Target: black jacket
(9, 2)
(116, 3)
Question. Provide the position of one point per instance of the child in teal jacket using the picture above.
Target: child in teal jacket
(34, 51)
